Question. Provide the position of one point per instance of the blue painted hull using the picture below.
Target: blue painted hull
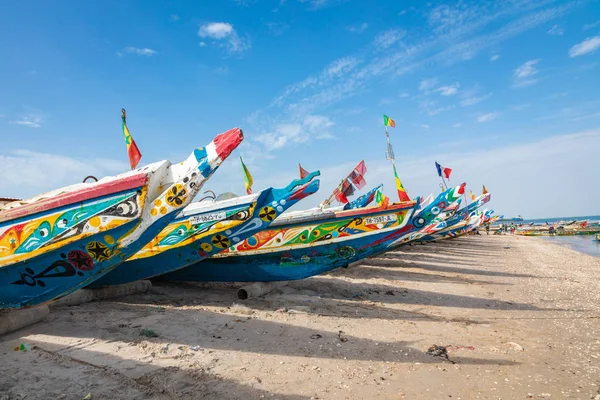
(55, 274)
(315, 256)
(278, 200)
(283, 265)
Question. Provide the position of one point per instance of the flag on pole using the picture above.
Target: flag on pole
(387, 121)
(485, 191)
(339, 196)
(444, 172)
(472, 195)
(247, 177)
(382, 199)
(401, 191)
(347, 188)
(357, 175)
(132, 150)
(303, 173)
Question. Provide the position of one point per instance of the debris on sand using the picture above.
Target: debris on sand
(148, 333)
(439, 351)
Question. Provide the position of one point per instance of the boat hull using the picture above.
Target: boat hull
(306, 259)
(283, 265)
(59, 252)
(184, 243)
(55, 243)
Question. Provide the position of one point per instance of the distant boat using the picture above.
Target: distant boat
(516, 218)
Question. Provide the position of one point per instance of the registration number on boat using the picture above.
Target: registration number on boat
(204, 218)
(380, 219)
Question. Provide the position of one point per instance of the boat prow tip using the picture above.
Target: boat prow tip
(227, 141)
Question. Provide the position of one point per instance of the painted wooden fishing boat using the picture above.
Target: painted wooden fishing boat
(458, 221)
(204, 229)
(60, 241)
(438, 212)
(311, 242)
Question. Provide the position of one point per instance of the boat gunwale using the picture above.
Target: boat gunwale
(69, 198)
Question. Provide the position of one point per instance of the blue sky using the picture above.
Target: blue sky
(505, 93)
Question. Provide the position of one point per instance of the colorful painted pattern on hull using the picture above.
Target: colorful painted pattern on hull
(57, 243)
(187, 240)
(295, 250)
(458, 220)
(430, 214)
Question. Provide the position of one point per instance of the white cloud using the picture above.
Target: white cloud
(459, 37)
(494, 57)
(216, 30)
(487, 117)
(32, 121)
(404, 95)
(435, 111)
(427, 85)
(222, 70)
(457, 125)
(592, 25)
(472, 100)
(245, 3)
(202, 44)
(449, 90)
(589, 45)
(425, 126)
(524, 75)
(174, 18)
(311, 127)
(26, 173)
(358, 28)
(556, 30)
(140, 51)
(388, 38)
(226, 36)
(318, 4)
(331, 73)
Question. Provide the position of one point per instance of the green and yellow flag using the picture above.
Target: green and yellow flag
(387, 121)
(381, 199)
(247, 177)
(132, 150)
(402, 195)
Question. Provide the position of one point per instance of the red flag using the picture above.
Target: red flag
(347, 188)
(357, 175)
(303, 173)
(339, 196)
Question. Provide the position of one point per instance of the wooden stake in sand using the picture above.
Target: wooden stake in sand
(258, 289)
(11, 320)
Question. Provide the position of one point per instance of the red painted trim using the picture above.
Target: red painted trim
(92, 191)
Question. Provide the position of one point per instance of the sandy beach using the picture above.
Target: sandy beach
(518, 316)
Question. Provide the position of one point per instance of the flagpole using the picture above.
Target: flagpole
(444, 181)
(389, 154)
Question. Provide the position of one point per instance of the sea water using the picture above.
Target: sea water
(585, 243)
(542, 221)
